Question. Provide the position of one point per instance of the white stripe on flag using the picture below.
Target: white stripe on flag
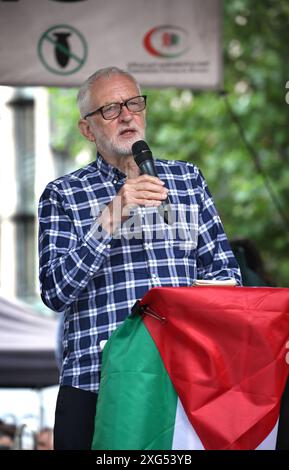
(185, 437)
(269, 442)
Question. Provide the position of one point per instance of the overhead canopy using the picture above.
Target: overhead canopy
(27, 347)
(62, 42)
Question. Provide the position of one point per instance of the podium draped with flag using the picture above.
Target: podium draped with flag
(196, 368)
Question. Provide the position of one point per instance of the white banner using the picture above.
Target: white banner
(61, 42)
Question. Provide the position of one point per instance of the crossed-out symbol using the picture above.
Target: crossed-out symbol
(62, 49)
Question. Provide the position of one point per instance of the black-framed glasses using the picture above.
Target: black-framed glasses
(113, 110)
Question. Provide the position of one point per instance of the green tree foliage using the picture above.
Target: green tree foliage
(65, 137)
(208, 129)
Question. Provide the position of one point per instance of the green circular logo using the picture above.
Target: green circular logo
(62, 49)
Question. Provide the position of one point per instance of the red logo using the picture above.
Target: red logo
(166, 41)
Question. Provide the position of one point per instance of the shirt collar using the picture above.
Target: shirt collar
(107, 170)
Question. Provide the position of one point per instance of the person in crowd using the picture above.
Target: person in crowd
(7, 435)
(104, 242)
(44, 439)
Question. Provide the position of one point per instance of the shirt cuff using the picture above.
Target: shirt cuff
(98, 239)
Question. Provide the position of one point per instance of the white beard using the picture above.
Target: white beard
(124, 149)
(118, 147)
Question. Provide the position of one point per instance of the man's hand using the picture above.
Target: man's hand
(145, 190)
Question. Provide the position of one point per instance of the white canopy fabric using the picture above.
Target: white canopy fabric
(27, 347)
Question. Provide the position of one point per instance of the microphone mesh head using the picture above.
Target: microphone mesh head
(141, 152)
(139, 146)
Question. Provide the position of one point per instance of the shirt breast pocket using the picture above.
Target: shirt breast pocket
(182, 249)
(182, 233)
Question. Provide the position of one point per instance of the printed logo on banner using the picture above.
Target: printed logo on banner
(62, 49)
(166, 41)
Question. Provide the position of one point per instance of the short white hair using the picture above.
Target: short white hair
(83, 96)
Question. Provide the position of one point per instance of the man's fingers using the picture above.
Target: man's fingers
(145, 179)
(152, 195)
(145, 190)
(151, 187)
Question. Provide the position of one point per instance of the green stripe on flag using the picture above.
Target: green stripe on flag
(137, 402)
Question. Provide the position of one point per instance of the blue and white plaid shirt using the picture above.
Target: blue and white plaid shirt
(95, 278)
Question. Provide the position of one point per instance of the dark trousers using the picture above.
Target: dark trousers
(74, 419)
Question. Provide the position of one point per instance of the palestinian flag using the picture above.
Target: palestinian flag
(199, 368)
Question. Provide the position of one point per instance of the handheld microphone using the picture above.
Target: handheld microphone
(144, 160)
